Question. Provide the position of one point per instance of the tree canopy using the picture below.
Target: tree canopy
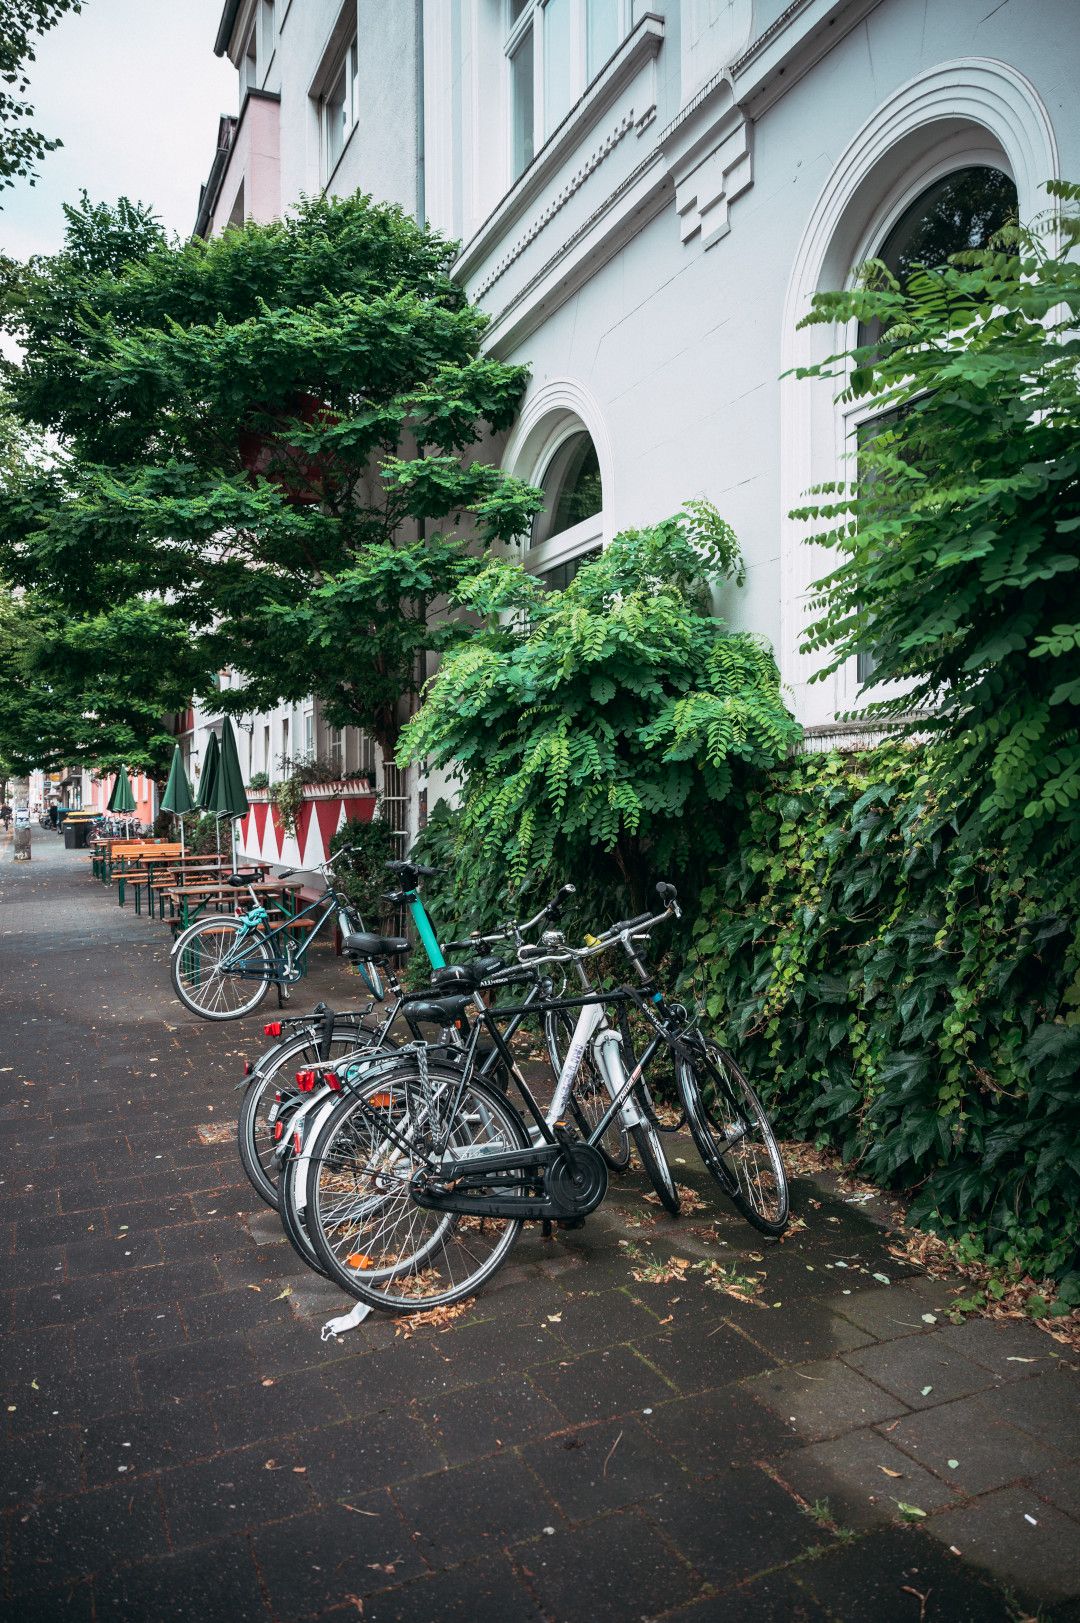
(266, 438)
(21, 22)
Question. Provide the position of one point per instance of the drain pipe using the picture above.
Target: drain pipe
(421, 187)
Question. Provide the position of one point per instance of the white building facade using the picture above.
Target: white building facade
(647, 198)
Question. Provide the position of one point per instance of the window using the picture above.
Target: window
(285, 736)
(572, 488)
(267, 765)
(309, 734)
(337, 749)
(961, 210)
(554, 48)
(339, 109)
(249, 72)
(267, 33)
(558, 578)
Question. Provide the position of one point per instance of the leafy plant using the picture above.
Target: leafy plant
(603, 725)
(259, 780)
(960, 570)
(904, 998)
(363, 875)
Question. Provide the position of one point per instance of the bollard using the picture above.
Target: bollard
(22, 844)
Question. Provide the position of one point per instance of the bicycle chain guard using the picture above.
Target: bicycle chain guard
(558, 1181)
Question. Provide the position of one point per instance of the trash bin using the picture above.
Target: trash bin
(72, 839)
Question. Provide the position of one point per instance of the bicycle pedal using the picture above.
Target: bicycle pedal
(570, 1222)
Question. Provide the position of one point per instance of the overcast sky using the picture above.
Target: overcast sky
(134, 91)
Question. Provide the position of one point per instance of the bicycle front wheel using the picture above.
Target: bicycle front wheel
(218, 974)
(589, 1098)
(734, 1136)
(651, 1151)
(371, 1236)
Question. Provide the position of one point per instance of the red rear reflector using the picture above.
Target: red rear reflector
(297, 1142)
(332, 1081)
(273, 1029)
(247, 1067)
(279, 1131)
(305, 1081)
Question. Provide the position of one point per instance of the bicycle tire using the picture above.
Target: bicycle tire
(589, 1097)
(189, 975)
(387, 1278)
(292, 1187)
(759, 1192)
(254, 1134)
(651, 1151)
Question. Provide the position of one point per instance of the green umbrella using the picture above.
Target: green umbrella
(209, 776)
(122, 799)
(229, 798)
(208, 780)
(177, 797)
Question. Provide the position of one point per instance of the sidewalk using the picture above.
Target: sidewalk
(604, 1434)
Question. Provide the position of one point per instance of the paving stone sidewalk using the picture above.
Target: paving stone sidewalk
(603, 1435)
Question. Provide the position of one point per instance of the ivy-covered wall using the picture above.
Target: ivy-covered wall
(894, 996)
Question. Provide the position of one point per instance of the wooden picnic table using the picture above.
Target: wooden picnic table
(203, 895)
(176, 875)
(156, 872)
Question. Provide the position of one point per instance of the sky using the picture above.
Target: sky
(134, 91)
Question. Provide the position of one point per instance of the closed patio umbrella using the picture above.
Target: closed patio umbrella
(178, 798)
(122, 799)
(204, 800)
(230, 799)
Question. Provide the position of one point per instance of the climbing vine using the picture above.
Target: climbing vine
(904, 998)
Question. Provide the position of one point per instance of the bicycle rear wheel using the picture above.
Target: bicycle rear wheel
(734, 1136)
(217, 974)
(369, 1233)
(272, 1093)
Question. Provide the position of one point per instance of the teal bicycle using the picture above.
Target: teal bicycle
(222, 967)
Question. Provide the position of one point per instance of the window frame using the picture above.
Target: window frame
(565, 545)
(532, 19)
(343, 66)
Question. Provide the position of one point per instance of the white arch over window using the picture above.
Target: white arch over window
(965, 112)
(552, 414)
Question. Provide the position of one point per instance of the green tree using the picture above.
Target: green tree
(958, 541)
(21, 22)
(266, 435)
(613, 717)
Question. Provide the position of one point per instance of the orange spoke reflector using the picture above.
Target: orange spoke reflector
(357, 1259)
(380, 1101)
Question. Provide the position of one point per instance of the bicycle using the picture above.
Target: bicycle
(419, 1184)
(222, 968)
(328, 1035)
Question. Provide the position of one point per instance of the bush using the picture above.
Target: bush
(363, 877)
(904, 999)
(600, 729)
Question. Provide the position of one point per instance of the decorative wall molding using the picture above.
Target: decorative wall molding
(704, 193)
(607, 146)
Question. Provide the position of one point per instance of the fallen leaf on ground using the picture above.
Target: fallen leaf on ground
(887, 1472)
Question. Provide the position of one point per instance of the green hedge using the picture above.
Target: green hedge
(895, 997)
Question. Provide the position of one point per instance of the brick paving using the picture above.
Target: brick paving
(580, 1445)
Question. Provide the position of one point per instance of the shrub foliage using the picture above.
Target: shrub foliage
(904, 998)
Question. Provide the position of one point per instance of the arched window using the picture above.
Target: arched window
(961, 210)
(571, 486)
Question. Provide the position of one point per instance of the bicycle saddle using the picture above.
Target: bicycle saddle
(443, 1011)
(366, 945)
(240, 878)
